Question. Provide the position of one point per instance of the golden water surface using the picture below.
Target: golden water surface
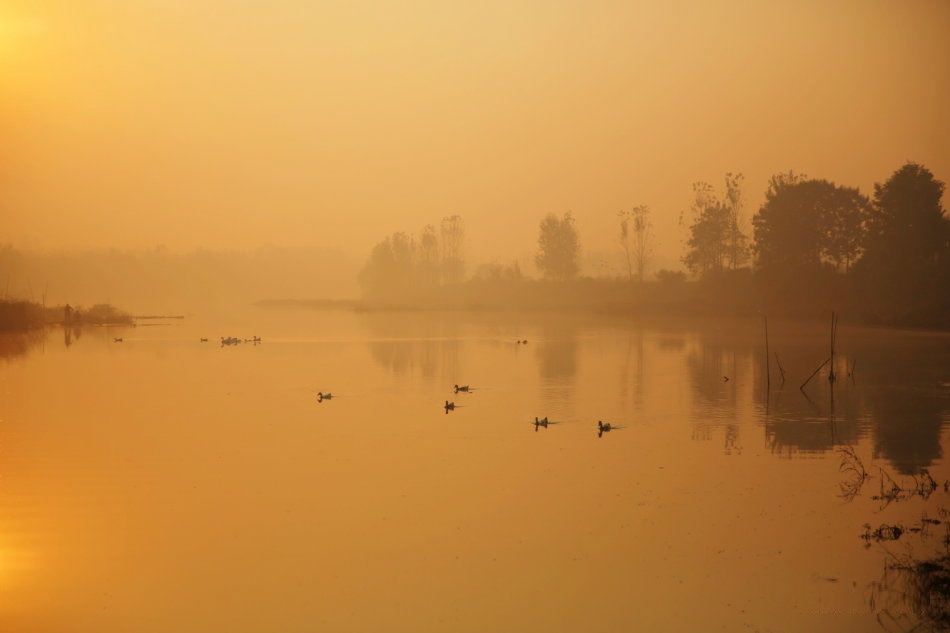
(163, 484)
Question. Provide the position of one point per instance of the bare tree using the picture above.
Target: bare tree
(453, 238)
(428, 256)
(636, 238)
(738, 243)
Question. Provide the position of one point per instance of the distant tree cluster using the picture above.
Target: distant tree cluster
(402, 265)
(814, 243)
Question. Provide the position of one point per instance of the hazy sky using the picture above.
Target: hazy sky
(241, 123)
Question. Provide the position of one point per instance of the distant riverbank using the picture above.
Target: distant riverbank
(733, 295)
(19, 315)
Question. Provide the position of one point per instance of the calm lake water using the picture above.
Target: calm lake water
(164, 484)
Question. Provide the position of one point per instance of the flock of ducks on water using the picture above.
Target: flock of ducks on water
(449, 406)
(232, 340)
(539, 423)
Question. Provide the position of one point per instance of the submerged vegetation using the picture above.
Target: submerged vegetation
(914, 590)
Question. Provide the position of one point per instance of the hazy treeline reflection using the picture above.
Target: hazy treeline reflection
(895, 396)
(17, 344)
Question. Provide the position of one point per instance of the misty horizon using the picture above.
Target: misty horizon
(326, 127)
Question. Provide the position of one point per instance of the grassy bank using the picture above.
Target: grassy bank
(17, 315)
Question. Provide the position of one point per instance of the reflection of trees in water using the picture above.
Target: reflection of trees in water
(71, 335)
(632, 370)
(708, 363)
(906, 399)
(427, 357)
(557, 354)
(813, 422)
(408, 342)
(15, 344)
(907, 428)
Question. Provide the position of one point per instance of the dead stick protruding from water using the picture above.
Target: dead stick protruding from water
(834, 337)
(827, 360)
(781, 369)
(768, 373)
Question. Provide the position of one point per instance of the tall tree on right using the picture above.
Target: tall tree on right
(905, 271)
(807, 232)
(558, 247)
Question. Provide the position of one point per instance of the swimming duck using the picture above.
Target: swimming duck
(204, 340)
(449, 406)
(603, 428)
(323, 396)
(459, 388)
(118, 340)
(542, 422)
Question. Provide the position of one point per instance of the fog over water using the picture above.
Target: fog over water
(235, 126)
(441, 316)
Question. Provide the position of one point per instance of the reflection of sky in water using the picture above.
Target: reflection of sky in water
(166, 484)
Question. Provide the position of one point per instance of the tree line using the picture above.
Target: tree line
(812, 242)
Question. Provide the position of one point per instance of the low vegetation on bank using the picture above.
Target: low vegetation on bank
(19, 315)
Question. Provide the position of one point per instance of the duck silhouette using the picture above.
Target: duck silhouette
(449, 406)
(542, 422)
(323, 396)
(459, 388)
(602, 428)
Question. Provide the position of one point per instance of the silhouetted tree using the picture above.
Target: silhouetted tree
(716, 242)
(453, 238)
(804, 231)
(559, 247)
(804, 223)
(844, 224)
(636, 238)
(906, 266)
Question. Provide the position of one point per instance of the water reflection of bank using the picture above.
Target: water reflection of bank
(898, 395)
(19, 344)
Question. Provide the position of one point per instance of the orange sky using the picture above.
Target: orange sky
(241, 123)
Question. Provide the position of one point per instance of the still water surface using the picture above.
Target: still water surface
(165, 484)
